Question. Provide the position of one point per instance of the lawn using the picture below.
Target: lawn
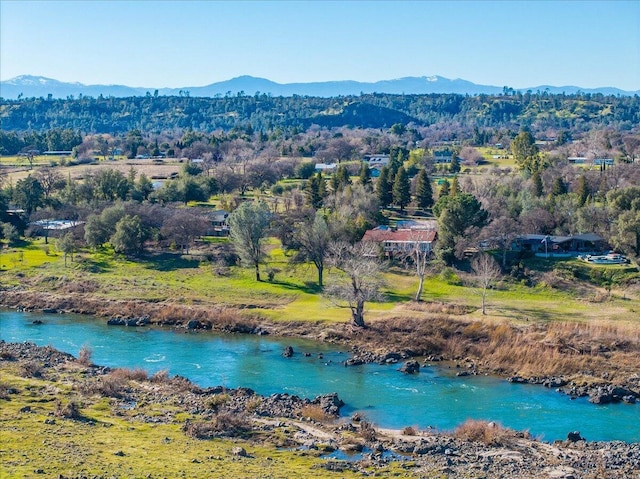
(292, 293)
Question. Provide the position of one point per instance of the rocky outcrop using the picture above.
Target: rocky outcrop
(287, 352)
(133, 322)
(611, 394)
(410, 367)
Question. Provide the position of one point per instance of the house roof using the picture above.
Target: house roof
(561, 239)
(404, 236)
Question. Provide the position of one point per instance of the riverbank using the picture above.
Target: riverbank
(106, 421)
(580, 359)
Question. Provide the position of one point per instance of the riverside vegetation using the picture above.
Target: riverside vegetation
(143, 252)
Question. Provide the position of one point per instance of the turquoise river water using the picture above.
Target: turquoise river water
(435, 397)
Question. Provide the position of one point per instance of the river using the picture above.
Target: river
(435, 397)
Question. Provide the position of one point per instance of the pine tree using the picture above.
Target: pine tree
(365, 176)
(583, 190)
(454, 167)
(401, 189)
(559, 187)
(455, 187)
(424, 192)
(343, 177)
(444, 189)
(316, 190)
(383, 189)
(536, 179)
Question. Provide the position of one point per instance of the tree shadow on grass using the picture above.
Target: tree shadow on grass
(308, 287)
(170, 262)
(395, 297)
(92, 265)
(530, 314)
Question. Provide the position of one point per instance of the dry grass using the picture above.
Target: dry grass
(488, 433)
(223, 424)
(537, 349)
(315, 413)
(126, 374)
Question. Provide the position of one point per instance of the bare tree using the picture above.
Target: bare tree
(416, 256)
(361, 280)
(29, 154)
(183, 228)
(50, 179)
(487, 271)
(502, 232)
(248, 225)
(314, 237)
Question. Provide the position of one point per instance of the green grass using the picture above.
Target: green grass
(104, 442)
(293, 294)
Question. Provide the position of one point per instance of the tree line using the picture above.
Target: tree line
(108, 115)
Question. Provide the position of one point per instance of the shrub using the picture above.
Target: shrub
(124, 374)
(489, 433)
(199, 430)
(315, 413)
(5, 391)
(231, 424)
(6, 356)
(105, 386)
(161, 376)
(218, 400)
(224, 424)
(70, 410)
(31, 369)
(253, 404)
(409, 431)
(449, 276)
(84, 356)
(367, 431)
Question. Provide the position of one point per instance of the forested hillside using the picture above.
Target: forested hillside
(536, 111)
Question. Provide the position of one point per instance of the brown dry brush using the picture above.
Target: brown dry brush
(217, 317)
(488, 433)
(535, 350)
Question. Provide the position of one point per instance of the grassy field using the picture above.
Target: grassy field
(561, 292)
(38, 440)
(18, 168)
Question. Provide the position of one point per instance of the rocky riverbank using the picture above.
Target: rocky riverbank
(476, 449)
(604, 368)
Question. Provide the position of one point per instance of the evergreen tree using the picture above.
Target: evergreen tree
(457, 217)
(559, 187)
(365, 176)
(444, 189)
(536, 180)
(401, 189)
(582, 191)
(383, 188)
(454, 167)
(340, 179)
(424, 192)
(316, 190)
(455, 187)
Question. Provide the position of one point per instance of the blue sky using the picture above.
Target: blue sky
(192, 43)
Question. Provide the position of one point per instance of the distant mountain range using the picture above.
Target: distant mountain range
(28, 86)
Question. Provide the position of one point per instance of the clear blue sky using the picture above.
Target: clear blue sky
(193, 43)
